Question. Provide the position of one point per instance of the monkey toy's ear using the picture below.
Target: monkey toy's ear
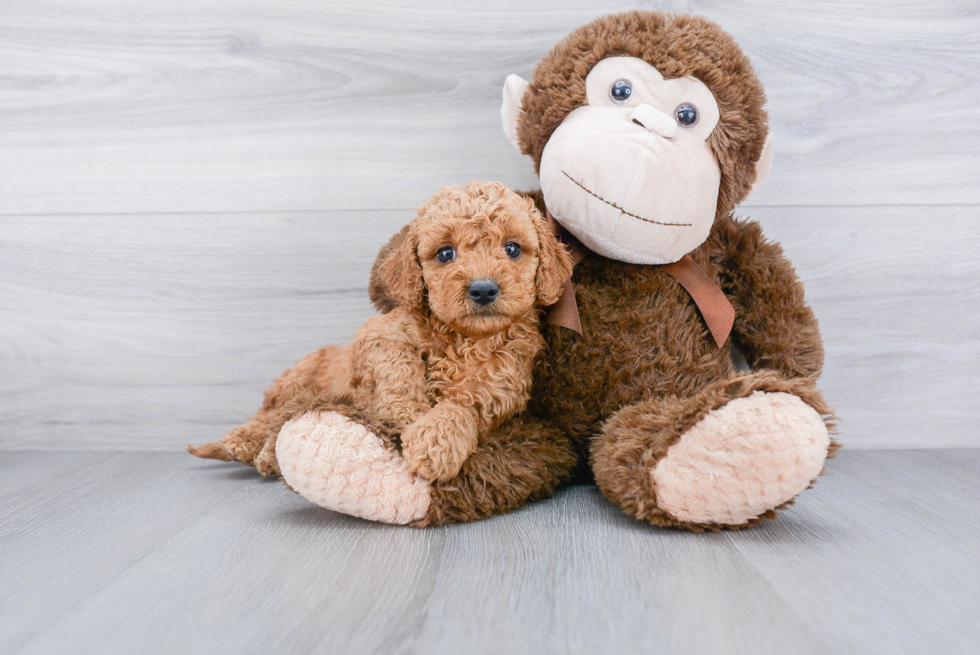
(763, 165)
(401, 274)
(510, 111)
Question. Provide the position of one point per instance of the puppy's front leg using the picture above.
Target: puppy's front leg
(389, 372)
(438, 443)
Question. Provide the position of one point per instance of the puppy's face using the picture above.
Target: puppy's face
(479, 267)
(481, 256)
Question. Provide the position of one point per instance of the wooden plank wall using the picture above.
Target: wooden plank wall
(192, 192)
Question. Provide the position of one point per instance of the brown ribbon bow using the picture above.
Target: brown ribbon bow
(711, 301)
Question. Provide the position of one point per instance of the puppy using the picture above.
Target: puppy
(454, 358)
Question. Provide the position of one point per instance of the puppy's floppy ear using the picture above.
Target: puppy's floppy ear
(377, 291)
(554, 262)
(401, 274)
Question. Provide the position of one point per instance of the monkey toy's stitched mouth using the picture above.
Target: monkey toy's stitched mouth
(615, 206)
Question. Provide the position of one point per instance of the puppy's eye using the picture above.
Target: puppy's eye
(686, 115)
(446, 254)
(512, 249)
(620, 91)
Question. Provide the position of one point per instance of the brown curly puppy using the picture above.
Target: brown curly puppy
(454, 358)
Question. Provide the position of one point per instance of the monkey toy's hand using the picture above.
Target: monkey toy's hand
(437, 444)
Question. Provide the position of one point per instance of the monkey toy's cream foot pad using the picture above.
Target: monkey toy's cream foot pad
(742, 459)
(341, 465)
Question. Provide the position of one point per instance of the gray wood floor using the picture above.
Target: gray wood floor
(112, 552)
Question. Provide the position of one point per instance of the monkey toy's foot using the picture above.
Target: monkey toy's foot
(742, 460)
(726, 458)
(340, 464)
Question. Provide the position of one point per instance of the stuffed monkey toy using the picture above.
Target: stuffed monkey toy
(646, 130)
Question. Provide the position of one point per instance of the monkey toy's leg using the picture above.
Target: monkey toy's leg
(725, 458)
(339, 463)
(254, 442)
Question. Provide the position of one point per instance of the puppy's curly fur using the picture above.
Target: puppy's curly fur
(440, 368)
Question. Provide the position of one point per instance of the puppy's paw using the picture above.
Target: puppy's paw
(403, 413)
(436, 446)
(266, 464)
(245, 442)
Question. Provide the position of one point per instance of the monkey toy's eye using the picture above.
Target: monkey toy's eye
(446, 254)
(620, 91)
(512, 249)
(686, 115)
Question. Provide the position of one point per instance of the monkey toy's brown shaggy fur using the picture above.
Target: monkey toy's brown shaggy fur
(643, 397)
(440, 369)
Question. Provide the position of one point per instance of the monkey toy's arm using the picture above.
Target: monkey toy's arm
(774, 327)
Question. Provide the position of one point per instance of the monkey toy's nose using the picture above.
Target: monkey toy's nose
(483, 292)
(654, 120)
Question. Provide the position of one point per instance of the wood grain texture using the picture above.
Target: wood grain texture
(251, 105)
(154, 331)
(925, 503)
(192, 192)
(70, 533)
(170, 554)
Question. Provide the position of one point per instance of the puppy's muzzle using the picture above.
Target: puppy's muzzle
(483, 291)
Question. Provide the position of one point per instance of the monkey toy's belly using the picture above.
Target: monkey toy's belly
(642, 337)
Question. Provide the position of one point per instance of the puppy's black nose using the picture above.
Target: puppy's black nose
(483, 292)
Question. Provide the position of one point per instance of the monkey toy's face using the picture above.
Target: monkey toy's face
(630, 173)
